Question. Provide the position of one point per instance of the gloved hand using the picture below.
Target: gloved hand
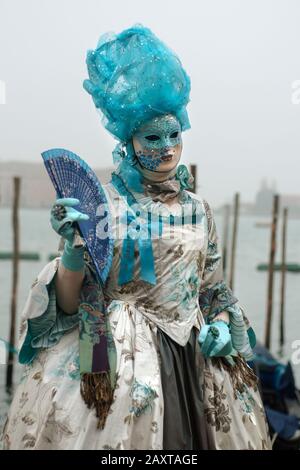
(215, 339)
(63, 216)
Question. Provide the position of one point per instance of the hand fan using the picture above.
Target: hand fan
(72, 177)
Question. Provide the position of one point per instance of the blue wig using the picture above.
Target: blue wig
(134, 77)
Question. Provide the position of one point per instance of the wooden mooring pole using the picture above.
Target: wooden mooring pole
(193, 169)
(234, 238)
(271, 272)
(226, 216)
(283, 277)
(15, 278)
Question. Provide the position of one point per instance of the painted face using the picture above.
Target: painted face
(158, 145)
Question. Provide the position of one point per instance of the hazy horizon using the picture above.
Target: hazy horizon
(242, 57)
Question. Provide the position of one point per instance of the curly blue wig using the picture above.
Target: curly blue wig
(134, 77)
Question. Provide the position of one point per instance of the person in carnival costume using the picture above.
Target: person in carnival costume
(173, 342)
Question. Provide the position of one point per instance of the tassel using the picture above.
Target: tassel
(96, 391)
(240, 374)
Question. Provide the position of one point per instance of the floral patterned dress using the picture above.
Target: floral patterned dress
(48, 412)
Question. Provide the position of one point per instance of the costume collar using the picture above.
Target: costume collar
(162, 186)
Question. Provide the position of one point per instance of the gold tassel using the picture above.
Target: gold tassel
(240, 374)
(96, 391)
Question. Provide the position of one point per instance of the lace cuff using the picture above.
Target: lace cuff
(213, 300)
(46, 330)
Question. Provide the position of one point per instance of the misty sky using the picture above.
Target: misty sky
(242, 57)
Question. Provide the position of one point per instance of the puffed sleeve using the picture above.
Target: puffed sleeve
(216, 297)
(43, 321)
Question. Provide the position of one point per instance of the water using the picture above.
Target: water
(250, 285)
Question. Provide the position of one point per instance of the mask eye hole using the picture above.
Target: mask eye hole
(152, 137)
(174, 135)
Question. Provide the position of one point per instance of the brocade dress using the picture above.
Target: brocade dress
(162, 377)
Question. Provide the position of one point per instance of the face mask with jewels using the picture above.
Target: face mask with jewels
(157, 144)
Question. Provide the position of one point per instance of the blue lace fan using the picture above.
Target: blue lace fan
(72, 177)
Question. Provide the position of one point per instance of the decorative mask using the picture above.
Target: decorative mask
(157, 144)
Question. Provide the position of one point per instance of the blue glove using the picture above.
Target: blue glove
(63, 217)
(215, 339)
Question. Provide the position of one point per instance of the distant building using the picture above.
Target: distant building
(36, 188)
(263, 204)
(264, 199)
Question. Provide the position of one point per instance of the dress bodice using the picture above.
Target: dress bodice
(179, 243)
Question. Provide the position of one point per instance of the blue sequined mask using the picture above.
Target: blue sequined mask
(156, 141)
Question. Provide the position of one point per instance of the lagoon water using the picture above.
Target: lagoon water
(250, 285)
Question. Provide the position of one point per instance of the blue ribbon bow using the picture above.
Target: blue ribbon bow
(139, 234)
